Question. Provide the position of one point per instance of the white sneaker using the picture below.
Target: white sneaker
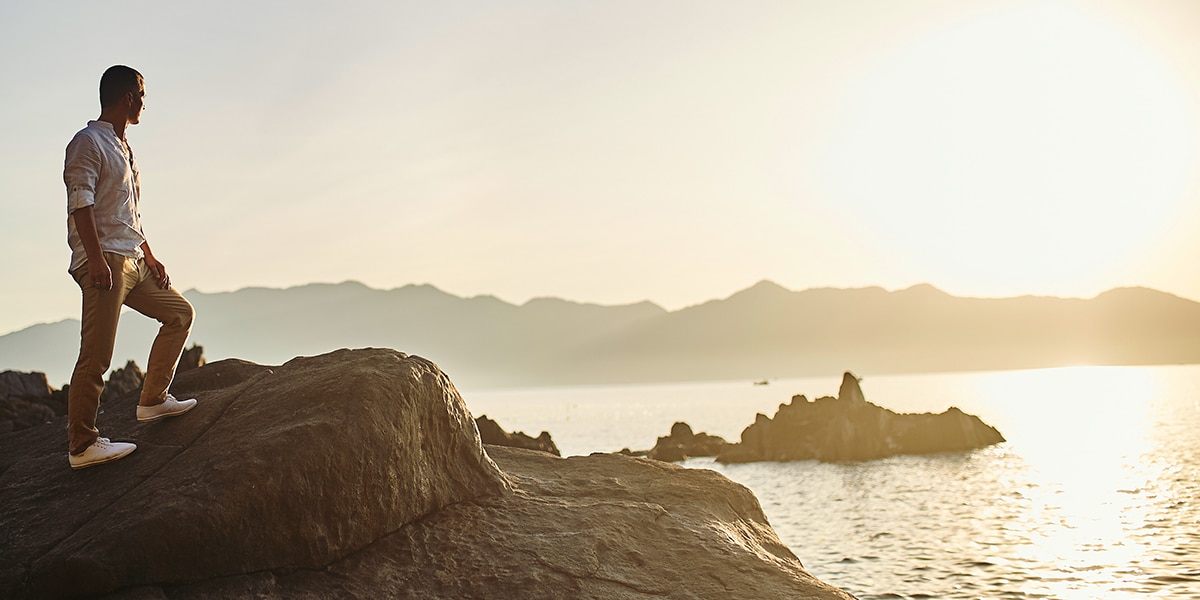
(169, 408)
(100, 452)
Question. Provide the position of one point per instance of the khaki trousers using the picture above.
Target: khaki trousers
(134, 286)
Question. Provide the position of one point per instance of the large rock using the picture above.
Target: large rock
(848, 428)
(25, 386)
(287, 468)
(24, 400)
(602, 527)
(360, 474)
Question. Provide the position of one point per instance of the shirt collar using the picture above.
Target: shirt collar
(103, 125)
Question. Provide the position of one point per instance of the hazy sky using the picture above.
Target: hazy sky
(616, 151)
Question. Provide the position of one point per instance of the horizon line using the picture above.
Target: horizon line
(757, 284)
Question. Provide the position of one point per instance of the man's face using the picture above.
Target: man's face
(136, 104)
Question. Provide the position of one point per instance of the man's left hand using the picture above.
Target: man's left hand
(159, 271)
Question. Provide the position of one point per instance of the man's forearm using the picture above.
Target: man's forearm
(85, 224)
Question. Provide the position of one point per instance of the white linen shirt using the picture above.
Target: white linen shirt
(100, 172)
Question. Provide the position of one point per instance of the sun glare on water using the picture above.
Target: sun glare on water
(1082, 434)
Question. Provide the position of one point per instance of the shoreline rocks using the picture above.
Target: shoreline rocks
(492, 433)
(682, 444)
(360, 474)
(848, 428)
(28, 399)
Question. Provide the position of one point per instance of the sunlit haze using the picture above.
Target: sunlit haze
(621, 151)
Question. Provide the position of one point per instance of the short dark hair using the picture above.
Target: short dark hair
(116, 81)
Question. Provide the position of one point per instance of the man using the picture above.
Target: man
(114, 266)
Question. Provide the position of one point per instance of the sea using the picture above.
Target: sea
(1095, 493)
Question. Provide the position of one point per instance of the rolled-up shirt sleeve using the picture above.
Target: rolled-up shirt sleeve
(81, 171)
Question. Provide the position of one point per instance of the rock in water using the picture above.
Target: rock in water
(359, 474)
(683, 443)
(492, 433)
(848, 428)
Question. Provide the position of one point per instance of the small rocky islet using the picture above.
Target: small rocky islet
(844, 428)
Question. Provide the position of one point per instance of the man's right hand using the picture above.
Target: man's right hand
(99, 274)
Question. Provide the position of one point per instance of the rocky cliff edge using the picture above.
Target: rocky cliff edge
(360, 474)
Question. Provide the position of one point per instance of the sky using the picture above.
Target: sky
(619, 151)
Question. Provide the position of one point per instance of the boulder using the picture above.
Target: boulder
(683, 443)
(492, 433)
(276, 468)
(848, 428)
(25, 386)
(360, 474)
(122, 382)
(25, 400)
(192, 358)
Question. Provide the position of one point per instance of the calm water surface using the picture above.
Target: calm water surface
(1096, 494)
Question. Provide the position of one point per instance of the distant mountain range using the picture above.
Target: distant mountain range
(760, 332)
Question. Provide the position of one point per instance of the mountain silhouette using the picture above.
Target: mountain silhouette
(763, 331)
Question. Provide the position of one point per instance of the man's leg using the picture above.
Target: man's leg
(97, 334)
(175, 313)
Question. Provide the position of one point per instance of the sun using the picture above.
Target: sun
(1036, 148)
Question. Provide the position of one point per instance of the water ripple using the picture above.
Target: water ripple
(1086, 516)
